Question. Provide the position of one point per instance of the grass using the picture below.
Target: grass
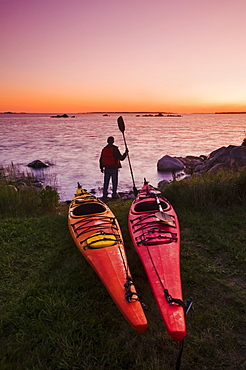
(56, 314)
(208, 190)
(19, 197)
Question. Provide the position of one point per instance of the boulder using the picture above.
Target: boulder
(217, 167)
(169, 164)
(238, 154)
(221, 154)
(162, 184)
(224, 158)
(37, 164)
(190, 162)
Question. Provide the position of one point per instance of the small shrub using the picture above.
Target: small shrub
(49, 198)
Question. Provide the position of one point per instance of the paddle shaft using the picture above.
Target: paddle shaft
(130, 166)
(121, 126)
(161, 215)
(159, 203)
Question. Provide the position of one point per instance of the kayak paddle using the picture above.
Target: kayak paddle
(161, 215)
(121, 126)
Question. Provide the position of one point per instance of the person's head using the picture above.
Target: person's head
(110, 140)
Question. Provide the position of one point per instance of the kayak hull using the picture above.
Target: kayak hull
(157, 242)
(97, 235)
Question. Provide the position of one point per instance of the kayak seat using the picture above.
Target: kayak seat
(149, 206)
(88, 209)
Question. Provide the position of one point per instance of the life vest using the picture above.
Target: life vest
(108, 159)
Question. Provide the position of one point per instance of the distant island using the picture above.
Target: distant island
(62, 116)
(161, 115)
(12, 113)
(230, 112)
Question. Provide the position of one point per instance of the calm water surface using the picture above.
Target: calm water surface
(73, 145)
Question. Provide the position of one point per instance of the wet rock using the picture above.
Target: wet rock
(37, 164)
(169, 164)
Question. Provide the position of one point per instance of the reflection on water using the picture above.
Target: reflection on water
(73, 145)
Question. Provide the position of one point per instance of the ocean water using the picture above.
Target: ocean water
(73, 145)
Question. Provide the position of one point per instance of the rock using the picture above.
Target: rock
(169, 164)
(231, 157)
(216, 168)
(221, 154)
(11, 188)
(190, 162)
(23, 187)
(238, 154)
(37, 164)
(38, 184)
(222, 159)
(162, 184)
(199, 168)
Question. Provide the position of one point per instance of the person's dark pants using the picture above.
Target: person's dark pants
(108, 174)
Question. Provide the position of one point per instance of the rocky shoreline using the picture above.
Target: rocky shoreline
(227, 158)
(230, 158)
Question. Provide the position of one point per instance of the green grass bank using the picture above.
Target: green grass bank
(56, 314)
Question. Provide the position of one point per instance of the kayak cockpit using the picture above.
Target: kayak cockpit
(88, 209)
(149, 206)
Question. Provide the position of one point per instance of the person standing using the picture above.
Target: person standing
(109, 164)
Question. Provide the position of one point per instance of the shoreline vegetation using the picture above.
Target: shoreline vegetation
(56, 314)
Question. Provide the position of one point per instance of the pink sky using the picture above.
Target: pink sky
(131, 55)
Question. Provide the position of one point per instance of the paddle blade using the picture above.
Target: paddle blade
(121, 124)
(155, 192)
(166, 218)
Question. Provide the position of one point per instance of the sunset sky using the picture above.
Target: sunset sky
(132, 55)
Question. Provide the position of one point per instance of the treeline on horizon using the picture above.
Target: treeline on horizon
(132, 112)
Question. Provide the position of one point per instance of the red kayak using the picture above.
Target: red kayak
(97, 234)
(155, 232)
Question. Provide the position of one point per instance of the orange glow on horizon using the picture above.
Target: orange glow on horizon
(70, 56)
(45, 103)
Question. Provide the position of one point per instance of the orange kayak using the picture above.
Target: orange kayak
(155, 232)
(97, 234)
